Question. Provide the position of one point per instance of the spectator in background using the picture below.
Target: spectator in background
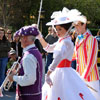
(50, 38)
(16, 45)
(38, 44)
(9, 36)
(12, 59)
(4, 49)
(40, 48)
(98, 35)
(73, 36)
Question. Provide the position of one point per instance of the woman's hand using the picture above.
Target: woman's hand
(48, 80)
(39, 36)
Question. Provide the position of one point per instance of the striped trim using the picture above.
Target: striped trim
(28, 94)
(63, 38)
(46, 48)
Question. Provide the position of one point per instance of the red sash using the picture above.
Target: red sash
(64, 63)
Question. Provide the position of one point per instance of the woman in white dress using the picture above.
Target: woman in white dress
(62, 82)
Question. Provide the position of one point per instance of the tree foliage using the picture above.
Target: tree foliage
(17, 13)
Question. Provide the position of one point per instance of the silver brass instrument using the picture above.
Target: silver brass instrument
(7, 83)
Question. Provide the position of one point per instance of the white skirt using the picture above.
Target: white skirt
(67, 85)
(95, 90)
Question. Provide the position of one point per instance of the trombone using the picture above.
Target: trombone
(6, 83)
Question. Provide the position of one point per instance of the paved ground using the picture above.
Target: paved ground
(8, 96)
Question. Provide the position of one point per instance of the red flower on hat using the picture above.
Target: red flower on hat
(67, 18)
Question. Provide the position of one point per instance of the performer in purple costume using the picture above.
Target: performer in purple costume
(29, 79)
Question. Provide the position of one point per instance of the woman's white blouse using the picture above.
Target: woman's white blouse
(62, 49)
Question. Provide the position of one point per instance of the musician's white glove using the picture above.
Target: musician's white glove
(48, 80)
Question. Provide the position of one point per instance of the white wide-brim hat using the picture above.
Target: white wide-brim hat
(61, 20)
(64, 17)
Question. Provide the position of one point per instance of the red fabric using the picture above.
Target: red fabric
(64, 63)
(81, 95)
(59, 98)
(46, 97)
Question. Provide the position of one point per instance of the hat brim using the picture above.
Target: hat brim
(55, 22)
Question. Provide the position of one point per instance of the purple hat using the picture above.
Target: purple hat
(16, 34)
(26, 31)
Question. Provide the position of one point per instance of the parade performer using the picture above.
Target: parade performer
(61, 76)
(29, 79)
(86, 49)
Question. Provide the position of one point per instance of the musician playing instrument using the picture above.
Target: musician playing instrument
(29, 79)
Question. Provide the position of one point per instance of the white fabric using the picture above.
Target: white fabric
(81, 18)
(59, 13)
(50, 47)
(64, 16)
(67, 85)
(55, 14)
(29, 66)
(95, 86)
(59, 51)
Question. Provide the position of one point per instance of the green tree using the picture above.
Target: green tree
(17, 13)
